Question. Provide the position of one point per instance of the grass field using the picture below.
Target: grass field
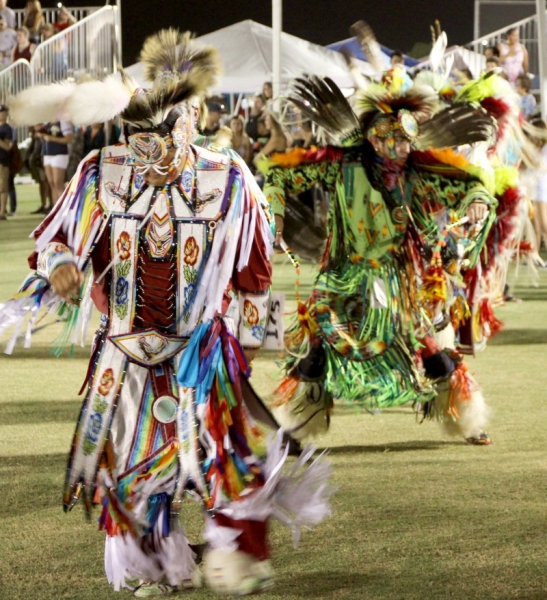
(416, 516)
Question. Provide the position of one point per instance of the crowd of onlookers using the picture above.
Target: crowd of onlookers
(20, 42)
(257, 129)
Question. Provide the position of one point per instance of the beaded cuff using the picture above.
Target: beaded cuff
(53, 255)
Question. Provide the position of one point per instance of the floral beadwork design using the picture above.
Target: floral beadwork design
(123, 246)
(252, 320)
(107, 381)
(98, 408)
(190, 257)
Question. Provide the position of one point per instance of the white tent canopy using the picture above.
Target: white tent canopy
(245, 49)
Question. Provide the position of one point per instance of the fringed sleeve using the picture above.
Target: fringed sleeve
(68, 234)
(299, 170)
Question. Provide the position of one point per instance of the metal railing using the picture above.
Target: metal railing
(528, 36)
(16, 78)
(88, 47)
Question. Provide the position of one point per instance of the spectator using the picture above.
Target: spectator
(7, 14)
(251, 127)
(267, 91)
(537, 184)
(277, 141)
(526, 99)
(33, 20)
(240, 140)
(75, 152)
(493, 64)
(8, 40)
(463, 76)
(397, 58)
(94, 138)
(302, 135)
(64, 19)
(215, 111)
(35, 165)
(7, 138)
(24, 49)
(491, 51)
(513, 56)
(59, 65)
(55, 140)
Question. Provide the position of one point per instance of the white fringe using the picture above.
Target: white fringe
(125, 560)
(297, 496)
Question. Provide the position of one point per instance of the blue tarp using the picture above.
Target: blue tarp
(354, 48)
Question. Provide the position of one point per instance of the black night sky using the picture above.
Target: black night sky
(397, 23)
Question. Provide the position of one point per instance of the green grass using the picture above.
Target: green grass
(416, 516)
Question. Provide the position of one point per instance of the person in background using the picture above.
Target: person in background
(463, 76)
(491, 51)
(513, 56)
(64, 19)
(33, 20)
(24, 49)
(94, 138)
(7, 14)
(59, 64)
(35, 165)
(527, 100)
(277, 141)
(267, 91)
(493, 65)
(302, 135)
(8, 40)
(251, 127)
(7, 138)
(55, 140)
(215, 111)
(240, 140)
(397, 58)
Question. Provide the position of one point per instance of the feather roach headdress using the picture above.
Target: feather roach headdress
(394, 103)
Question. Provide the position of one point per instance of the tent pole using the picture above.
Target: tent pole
(542, 48)
(277, 11)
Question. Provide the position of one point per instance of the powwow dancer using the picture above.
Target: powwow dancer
(158, 233)
(367, 332)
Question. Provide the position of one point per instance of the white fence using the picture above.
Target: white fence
(90, 47)
(528, 36)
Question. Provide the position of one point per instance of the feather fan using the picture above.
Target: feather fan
(456, 126)
(321, 101)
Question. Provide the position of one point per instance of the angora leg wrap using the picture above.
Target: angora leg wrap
(467, 417)
(472, 414)
(234, 572)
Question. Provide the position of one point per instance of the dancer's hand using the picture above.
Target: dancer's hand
(279, 222)
(66, 280)
(476, 211)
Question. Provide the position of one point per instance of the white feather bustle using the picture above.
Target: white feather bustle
(97, 101)
(172, 561)
(41, 104)
(80, 104)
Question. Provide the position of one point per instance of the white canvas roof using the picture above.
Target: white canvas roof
(246, 52)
